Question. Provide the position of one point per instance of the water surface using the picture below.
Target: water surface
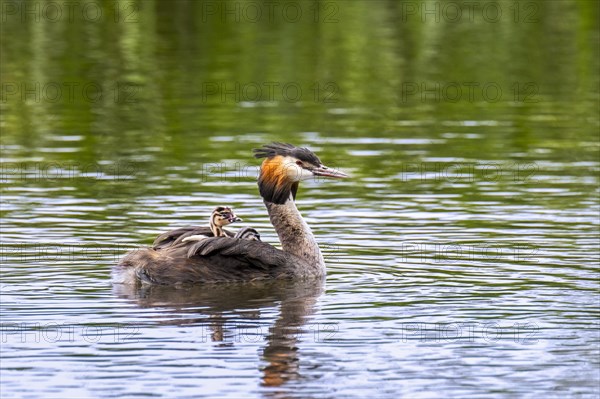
(462, 255)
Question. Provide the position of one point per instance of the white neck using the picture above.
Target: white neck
(294, 234)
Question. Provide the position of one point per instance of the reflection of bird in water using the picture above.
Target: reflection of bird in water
(215, 259)
(233, 314)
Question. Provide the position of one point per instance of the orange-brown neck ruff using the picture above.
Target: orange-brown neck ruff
(274, 183)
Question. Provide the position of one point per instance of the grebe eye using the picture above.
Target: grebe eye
(299, 163)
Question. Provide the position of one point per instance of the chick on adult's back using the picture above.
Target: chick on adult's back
(227, 258)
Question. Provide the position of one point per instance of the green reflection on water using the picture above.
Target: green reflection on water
(153, 85)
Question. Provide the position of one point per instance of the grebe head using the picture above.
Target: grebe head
(222, 216)
(284, 167)
(248, 233)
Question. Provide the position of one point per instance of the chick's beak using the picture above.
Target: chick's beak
(233, 219)
(328, 172)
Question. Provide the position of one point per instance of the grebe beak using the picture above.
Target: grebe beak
(328, 172)
(233, 219)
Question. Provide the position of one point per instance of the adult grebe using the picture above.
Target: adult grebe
(216, 259)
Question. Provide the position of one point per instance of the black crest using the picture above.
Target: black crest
(284, 149)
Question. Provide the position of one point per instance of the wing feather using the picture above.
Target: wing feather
(257, 253)
(175, 237)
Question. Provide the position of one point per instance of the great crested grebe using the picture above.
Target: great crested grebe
(214, 259)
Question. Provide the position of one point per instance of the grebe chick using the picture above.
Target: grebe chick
(221, 216)
(248, 233)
